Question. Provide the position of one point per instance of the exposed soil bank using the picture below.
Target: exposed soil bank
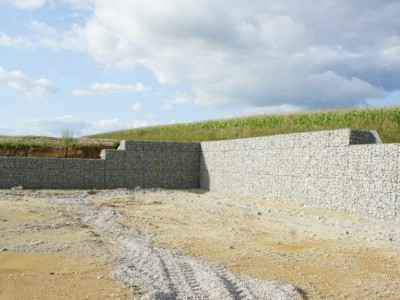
(38, 146)
(55, 152)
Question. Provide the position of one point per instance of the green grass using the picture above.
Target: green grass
(7, 145)
(385, 120)
(67, 138)
(21, 142)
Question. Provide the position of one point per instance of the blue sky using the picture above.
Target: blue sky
(94, 66)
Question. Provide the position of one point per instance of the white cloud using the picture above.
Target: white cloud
(31, 87)
(141, 88)
(277, 109)
(43, 28)
(108, 125)
(335, 87)
(390, 55)
(8, 41)
(260, 54)
(180, 99)
(137, 106)
(110, 87)
(35, 4)
(4, 130)
(55, 126)
(140, 124)
(26, 4)
(81, 93)
(80, 4)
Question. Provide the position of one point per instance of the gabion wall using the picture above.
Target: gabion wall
(144, 164)
(340, 169)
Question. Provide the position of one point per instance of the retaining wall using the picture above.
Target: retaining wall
(341, 169)
(135, 163)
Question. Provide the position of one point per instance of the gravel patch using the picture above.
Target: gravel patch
(159, 272)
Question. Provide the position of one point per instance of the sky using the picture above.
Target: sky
(93, 66)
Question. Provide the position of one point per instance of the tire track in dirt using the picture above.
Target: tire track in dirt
(163, 273)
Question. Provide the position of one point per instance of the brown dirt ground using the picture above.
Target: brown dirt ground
(270, 240)
(57, 262)
(329, 255)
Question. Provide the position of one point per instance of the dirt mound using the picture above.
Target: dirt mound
(37, 146)
(55, 152)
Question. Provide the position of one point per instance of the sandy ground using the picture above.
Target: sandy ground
(75, 244)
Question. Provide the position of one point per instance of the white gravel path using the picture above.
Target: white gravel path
(163, 273)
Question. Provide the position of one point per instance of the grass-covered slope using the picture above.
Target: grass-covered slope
(18, 142)
(385, 120)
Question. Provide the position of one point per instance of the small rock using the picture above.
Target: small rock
(51, 273)
(100, 277)
(390, 239)
(4, 249)
(231, 247)
(93, 234)
(259, 213)
(17, 188)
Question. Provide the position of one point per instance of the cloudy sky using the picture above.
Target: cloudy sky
(94, 66)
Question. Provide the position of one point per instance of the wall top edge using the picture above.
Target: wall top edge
(323, 138)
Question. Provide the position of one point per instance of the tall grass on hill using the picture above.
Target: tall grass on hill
(385, 120)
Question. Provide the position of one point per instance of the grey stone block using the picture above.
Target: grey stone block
(204, 180)
(30, 178)
(153, 160)
(153, 179)
(8, 178)
(190, 161)
(173, 179)
(134, 161)
(189, 180)
(339, 137)
(171, 147)
(190, 147)
(114, 159)
(93, 164)
(131, 146)
(73, 179)
(114, 179)
(52, 163)
(361, 137)
(134, 179)
(172, 161)
(94, 179)
(53, 178)
(28, 163)
(8, 162)
(153, 146)
(72, 164)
